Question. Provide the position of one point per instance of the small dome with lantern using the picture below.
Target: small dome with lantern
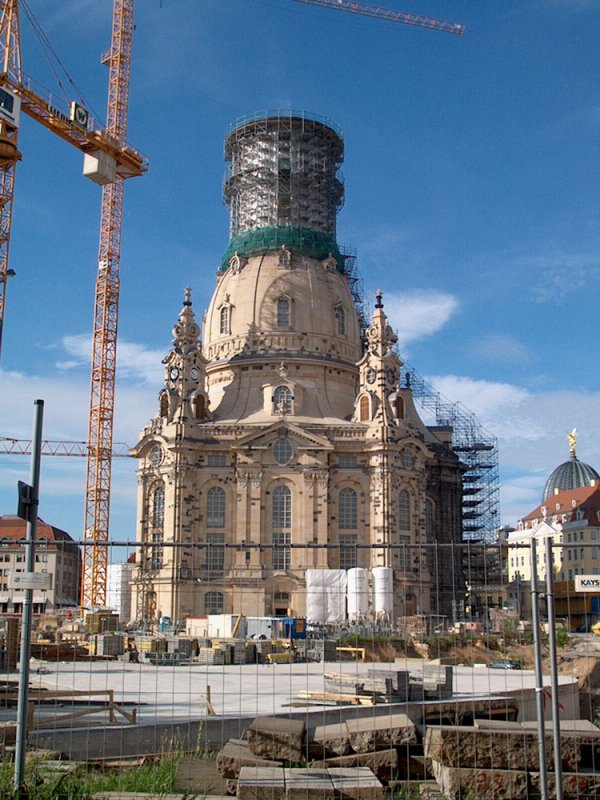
(571, 474)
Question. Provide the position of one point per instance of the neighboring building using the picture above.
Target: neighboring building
(55, 553)
(288, 439)
(572, 521)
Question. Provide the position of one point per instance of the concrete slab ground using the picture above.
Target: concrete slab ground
(171, 702)
(179, 694)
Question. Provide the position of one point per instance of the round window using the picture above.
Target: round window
(408, 459)
(282, 451)
(156, 455)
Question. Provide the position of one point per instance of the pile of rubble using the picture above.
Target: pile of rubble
(353, 759)
(279, 759)
(497, 759)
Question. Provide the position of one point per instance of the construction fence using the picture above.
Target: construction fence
(333, 690)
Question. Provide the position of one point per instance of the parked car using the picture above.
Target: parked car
(504, 663)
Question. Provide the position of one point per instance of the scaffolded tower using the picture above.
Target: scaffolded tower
(477, 448)
(283, 187)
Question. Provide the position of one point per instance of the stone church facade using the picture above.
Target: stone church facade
(286, 438)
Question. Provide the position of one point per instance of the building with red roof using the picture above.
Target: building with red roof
(571, 519)
(55, 553)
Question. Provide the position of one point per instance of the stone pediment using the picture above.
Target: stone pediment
(302, 439)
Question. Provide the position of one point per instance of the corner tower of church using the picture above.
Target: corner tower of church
(287, 444)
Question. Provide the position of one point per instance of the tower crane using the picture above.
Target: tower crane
(108, 161)
(389, 14)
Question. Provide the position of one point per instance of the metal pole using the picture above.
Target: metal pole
(539, 678)
(553, 668)
(21, 734)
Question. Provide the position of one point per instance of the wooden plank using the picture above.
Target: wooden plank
(352, 699)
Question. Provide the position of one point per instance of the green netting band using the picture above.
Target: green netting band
(256, 241)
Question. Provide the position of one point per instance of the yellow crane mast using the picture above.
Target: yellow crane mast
(106, 314)
(9, 133)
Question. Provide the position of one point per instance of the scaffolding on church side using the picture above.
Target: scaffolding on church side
(356, 286)
(477, 448)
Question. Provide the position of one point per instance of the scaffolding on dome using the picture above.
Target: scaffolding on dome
(477, 448)
(356, 285)
(283, 169)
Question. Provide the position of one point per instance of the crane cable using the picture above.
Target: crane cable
(53, 59)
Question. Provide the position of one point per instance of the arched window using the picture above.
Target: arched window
(215, 507)
(285, 257)
(364, 408)
(199, 406)
(157, 525)
(282, 508)
(404, 510)
(281, 552)
(340, 319)
(282, 400)
(347, 510)
(214, 603)
(224, 320)
(283, 312)
(400, 407)
(164, 405)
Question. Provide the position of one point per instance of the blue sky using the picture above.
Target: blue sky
(472, 196)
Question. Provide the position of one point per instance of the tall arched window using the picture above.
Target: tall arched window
(282, 508)
(199, 406)
(404, 510)
(283, 312)
(164, 405)
(364, 408)
(400, 407)
(157, 526)
(282, 522)
(347, 510)
(340, 319)
(282, 400)
(224, 320)
(215, 507)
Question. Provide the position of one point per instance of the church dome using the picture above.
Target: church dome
(572, 474)
(283, 318)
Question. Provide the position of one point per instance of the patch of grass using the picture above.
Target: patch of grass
(41, 784)
(406, 793)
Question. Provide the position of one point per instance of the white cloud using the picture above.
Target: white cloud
(417, 314)
(501, 348)
(561, 273)
(490, 400)
(531, 429)
(133, 360)
(66, 403)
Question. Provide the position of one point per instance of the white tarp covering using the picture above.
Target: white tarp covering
(358, 593)
(383, 591)
(326, 595)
